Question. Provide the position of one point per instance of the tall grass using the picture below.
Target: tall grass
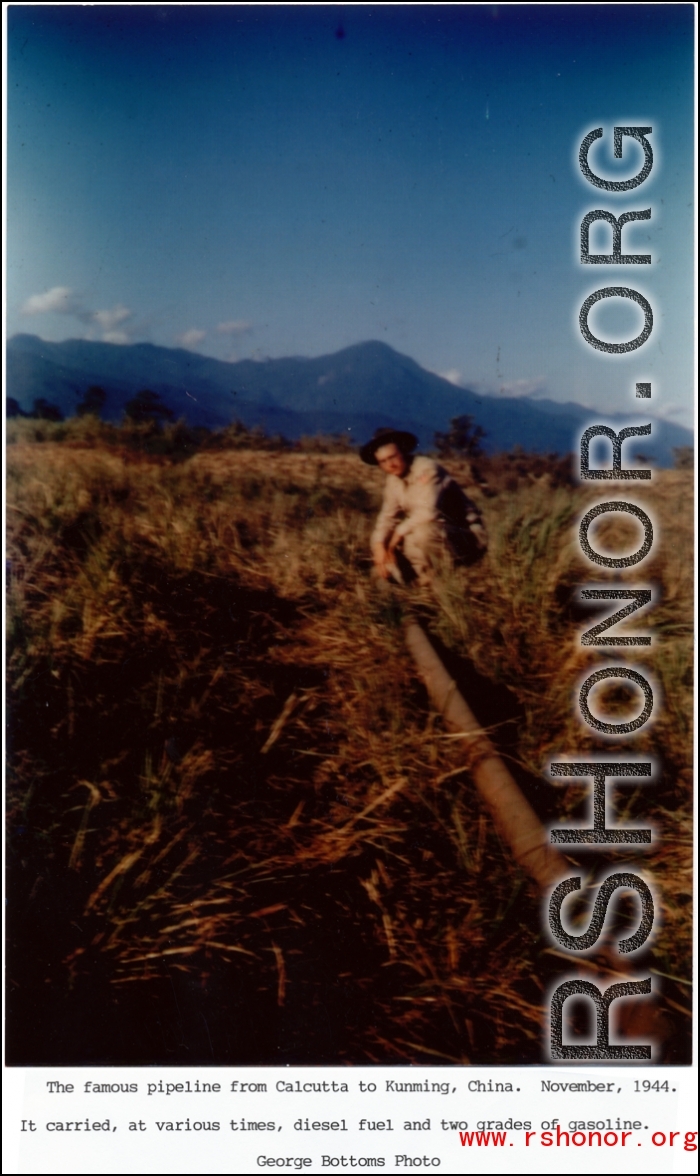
(238, 831)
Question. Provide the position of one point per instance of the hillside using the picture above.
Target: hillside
(352, 392)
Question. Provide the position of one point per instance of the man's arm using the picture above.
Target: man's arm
(382, 538)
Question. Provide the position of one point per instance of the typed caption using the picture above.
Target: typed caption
(238, 1120)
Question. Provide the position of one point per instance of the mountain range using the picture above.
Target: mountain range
(351, 392)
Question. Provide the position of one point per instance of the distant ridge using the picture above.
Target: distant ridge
(352, 392)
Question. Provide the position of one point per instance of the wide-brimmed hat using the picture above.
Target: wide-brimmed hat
(406, 442)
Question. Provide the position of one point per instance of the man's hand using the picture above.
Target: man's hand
(383, 559)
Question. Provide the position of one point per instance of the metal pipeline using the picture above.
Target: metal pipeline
(518, 824)
(516, 821)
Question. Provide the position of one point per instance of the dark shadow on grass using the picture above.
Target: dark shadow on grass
(128, 711)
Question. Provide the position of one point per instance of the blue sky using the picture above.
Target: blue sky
(267, 181)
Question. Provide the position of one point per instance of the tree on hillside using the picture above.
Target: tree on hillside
(93, 402)
(684, 457)
(13, 409)
(147, 406)
(45, 411)
(462, 439)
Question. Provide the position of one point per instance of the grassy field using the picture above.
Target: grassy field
(238, 833)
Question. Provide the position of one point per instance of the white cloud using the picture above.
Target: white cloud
(109, 319)
(453, 376)
(675, 413)
(531, 387)
(191, 338)
(63, 300)
(59, 300)
(234, 327)
(536, 386)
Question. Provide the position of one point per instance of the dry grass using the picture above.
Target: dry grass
(239, 833)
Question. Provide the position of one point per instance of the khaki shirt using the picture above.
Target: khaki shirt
(412, 501)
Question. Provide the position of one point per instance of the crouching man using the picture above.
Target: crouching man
(425, 515)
